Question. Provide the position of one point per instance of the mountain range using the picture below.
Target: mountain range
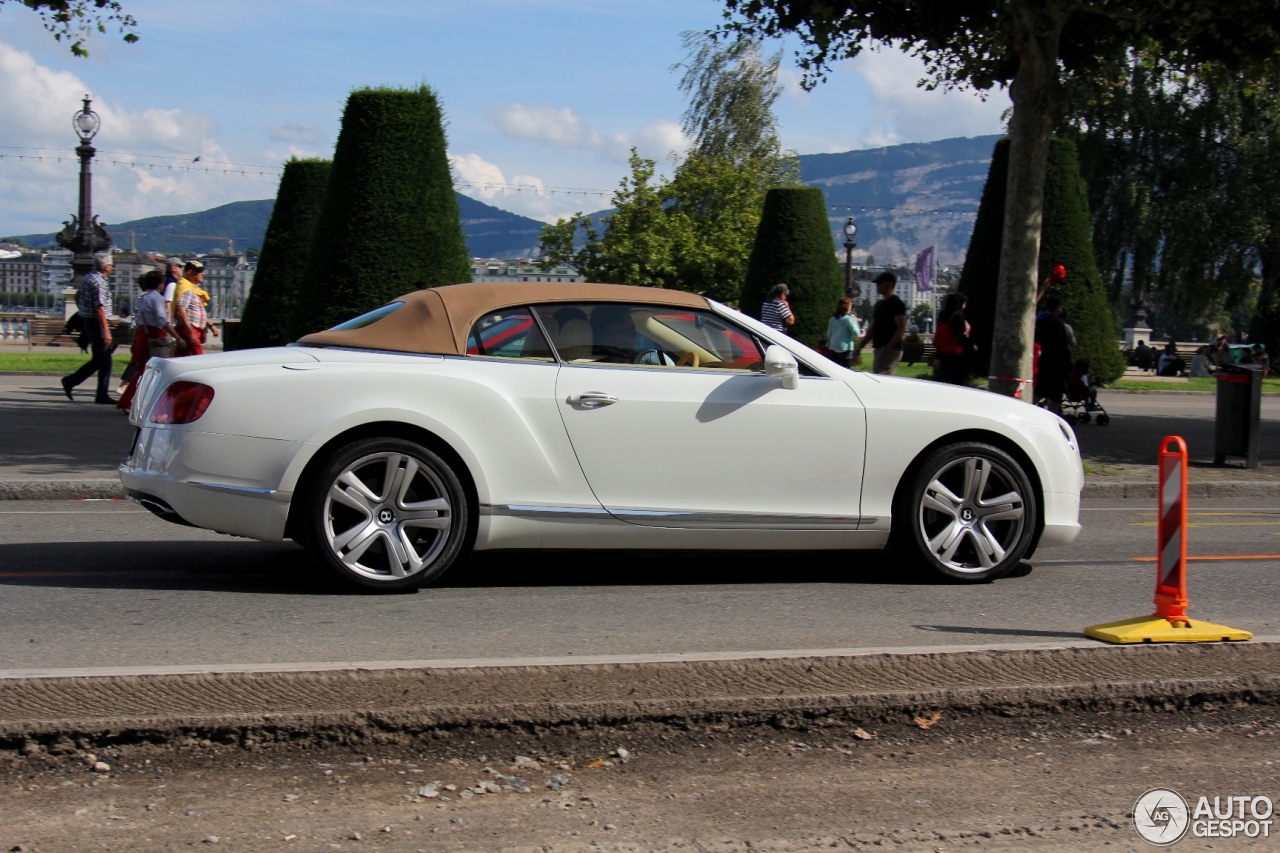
(902, 198)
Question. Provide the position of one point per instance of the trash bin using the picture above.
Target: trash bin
(1238, 419)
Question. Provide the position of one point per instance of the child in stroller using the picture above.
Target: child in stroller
(1081, 399)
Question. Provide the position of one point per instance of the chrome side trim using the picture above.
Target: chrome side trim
(685, 519)
(247, 491)
(740, 520)
(545, 512)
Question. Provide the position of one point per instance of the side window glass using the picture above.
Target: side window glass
(509, 333)
(648, 336)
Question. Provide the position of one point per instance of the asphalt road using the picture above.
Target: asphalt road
(104, 584)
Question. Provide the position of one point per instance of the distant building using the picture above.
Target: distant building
(496, 269)
(228, 279)
(55, 270)
(21, 274)
(128, 268)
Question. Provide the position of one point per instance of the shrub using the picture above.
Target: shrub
(390, 220)
(793, 245)
(283, 260)
(1065, 239)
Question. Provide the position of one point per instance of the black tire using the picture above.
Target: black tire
(950, 517)
(1083, 417)
(386, 515)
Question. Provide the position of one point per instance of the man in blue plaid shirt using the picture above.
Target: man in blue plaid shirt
(94, 303)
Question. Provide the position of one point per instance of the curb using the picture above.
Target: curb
(61, 490)
(104, 488)
(360, 702)
(1149, 490)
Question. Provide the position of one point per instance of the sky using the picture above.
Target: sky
(543, 99)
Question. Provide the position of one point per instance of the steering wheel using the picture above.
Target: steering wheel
(688, 358)
(656, 358)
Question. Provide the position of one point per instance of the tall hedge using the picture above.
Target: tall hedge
(390, 221)
(1064, 240)
(793, 245)
(282, 264)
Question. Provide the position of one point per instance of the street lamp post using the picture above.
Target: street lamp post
(83, 235)
(850, 230)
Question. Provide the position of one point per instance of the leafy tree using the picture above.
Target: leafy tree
(390, 220)
(1031, 46)
(76, 20)
(793, 246)
(1065, 241)
(1184, 189)
(278, 281)
(921, 315)
(694, 231)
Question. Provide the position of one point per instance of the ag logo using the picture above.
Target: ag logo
(1161, 816)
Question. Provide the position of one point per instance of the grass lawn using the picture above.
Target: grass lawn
(39, 362)
(1206, 384)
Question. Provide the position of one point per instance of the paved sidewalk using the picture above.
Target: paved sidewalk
(53, 448)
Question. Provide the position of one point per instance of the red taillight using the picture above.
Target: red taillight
(182, 403)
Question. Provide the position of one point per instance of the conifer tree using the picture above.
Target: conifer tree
(390, 220)
(1065, 240)
(793, 246)
(279, 277)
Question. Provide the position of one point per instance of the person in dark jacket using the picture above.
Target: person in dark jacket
(1055, 355)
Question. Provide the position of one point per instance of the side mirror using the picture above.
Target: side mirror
(780, 364)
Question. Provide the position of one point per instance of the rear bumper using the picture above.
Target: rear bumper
(229, 484)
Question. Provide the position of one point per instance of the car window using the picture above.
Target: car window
(371, 317)
(509, 333)
(648, 336)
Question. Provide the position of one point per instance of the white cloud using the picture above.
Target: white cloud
(905, 112)
(300, 132)
(527, 195)
(146, 160)
(559, 127)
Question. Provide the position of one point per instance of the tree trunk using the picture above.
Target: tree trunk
(1037, 102)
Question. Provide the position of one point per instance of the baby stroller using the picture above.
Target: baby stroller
(1081, 398)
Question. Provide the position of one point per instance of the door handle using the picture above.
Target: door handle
(592, 399)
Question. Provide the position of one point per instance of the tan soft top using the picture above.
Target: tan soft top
(438, 320)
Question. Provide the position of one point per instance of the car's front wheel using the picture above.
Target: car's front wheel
(386, 514)
(969, 513)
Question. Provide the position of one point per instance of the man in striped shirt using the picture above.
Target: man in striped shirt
(776, 312)
(93, 300)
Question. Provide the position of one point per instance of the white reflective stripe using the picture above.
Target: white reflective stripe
(1170, 554)
(1171, 490)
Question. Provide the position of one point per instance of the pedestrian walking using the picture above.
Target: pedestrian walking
(189, 315)
(1055, 356)
(842, 333)
(887, 329)
(154, 335)
(776, 311)
(93, 301)
(172, 275)
(952, 344)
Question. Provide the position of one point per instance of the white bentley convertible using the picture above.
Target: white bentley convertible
(483, 416)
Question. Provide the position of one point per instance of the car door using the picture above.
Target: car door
(675, 424)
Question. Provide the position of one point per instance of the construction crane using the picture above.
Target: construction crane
(231, 245)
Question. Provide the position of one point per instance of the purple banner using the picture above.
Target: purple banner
(924, 270)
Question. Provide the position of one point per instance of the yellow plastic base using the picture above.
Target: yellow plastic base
(1153, 629)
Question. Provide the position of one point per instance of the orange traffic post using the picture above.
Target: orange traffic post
(1170, 623)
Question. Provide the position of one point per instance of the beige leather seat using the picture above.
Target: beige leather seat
(573, 340)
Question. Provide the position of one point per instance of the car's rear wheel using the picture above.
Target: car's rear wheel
(386, 514)
(969, 513)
